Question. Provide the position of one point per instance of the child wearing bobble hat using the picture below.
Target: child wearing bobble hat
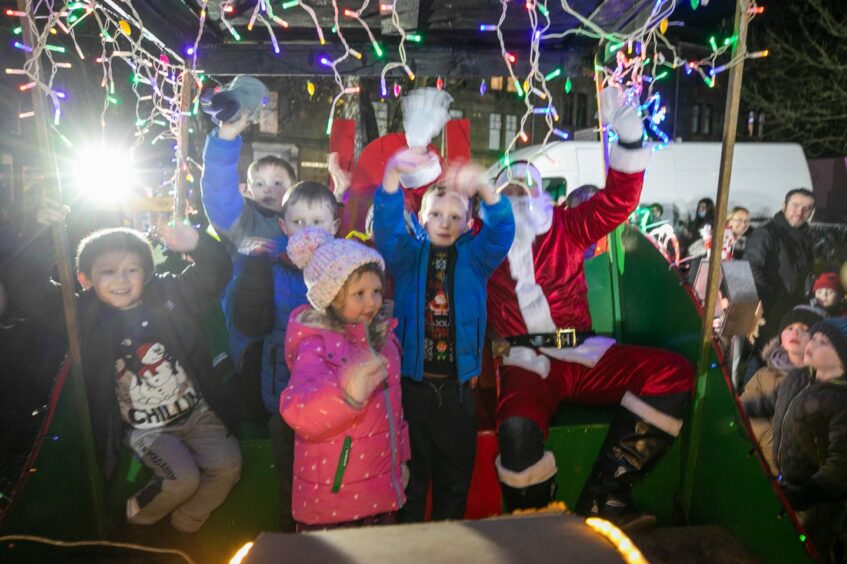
(810, 433)
(343, 399)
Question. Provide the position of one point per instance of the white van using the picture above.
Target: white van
(682, 173)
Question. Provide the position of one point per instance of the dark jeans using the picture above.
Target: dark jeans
(282, 442)
(442, 430)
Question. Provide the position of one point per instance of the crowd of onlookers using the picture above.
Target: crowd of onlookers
(792, 385)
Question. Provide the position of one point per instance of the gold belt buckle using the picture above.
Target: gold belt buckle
(565, 337)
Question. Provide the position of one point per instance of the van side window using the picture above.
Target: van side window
(557, 187)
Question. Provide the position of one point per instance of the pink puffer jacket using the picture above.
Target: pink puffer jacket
(313, 404)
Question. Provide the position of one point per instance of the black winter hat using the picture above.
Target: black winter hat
(803, 314)
(835, 328)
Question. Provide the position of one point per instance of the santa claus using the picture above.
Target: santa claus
(538, 309)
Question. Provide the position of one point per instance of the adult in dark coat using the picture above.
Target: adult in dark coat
(780, 256)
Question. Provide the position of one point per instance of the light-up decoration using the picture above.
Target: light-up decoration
(241, 554)
(483, 88)
(156, 83)
(102, 173)
(656, 114)
(618, 538)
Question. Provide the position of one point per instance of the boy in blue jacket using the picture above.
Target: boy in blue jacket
(260, 225)
(441, 270)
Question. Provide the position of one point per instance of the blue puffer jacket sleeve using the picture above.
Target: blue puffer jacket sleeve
(219, 184)
(392, 238)
(492, 244)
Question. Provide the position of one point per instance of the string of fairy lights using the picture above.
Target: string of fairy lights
(636, 60)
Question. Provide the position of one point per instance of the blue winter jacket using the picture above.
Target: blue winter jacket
(236, 218)
(407, 258)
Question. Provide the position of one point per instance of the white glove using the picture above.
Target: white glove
(359, 380)
(620, 116)
(425, 111)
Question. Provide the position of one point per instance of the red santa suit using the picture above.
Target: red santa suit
(541, 288)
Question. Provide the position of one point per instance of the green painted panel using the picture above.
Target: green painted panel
(730, 487)
(576, 434)
(600, 293)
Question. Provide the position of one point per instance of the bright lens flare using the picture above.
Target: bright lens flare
(104, 174)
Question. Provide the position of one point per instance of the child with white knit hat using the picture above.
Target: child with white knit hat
(343, 399)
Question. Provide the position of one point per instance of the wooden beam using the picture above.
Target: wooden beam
(186, 88)
(66, 278)
(707, 336)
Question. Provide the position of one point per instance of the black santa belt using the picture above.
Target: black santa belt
(560, 339)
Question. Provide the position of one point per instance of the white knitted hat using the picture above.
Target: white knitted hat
(327, 262)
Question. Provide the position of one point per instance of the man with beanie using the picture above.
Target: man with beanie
(537, 304)
(809, 411)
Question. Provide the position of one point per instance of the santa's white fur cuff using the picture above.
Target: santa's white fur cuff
(628, 160)
(668, 424)
(539, 472)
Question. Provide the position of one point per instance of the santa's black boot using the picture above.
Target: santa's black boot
(638, 437)
(536, 496)
(526, 471)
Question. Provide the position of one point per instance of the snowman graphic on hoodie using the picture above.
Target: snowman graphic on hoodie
(152, 387)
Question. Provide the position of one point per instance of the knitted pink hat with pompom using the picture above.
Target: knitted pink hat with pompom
(327, 262)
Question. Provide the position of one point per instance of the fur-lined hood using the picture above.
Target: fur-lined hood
(305, 321)
(776, 357)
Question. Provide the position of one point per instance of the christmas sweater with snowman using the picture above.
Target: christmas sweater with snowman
(152, 388)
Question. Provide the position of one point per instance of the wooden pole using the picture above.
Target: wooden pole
(75, 380)
(182, 147)
(54, 191)
(725, 173)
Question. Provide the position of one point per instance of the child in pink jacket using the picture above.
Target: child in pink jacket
(343, 399)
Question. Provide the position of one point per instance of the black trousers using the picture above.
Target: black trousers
(442, 430)
(282, 443)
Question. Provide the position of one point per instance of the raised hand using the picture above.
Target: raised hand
(178, 238)
(257, 247)
(404, 162)
(620, 116)
(340, 177)
(233, 128)
(469, 179)
(360, 379)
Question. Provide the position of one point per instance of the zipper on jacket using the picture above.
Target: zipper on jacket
(393, 438)
(419, 339)
(342, 463)
(782, 426)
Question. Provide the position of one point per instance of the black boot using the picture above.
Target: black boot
(536, 496)
(523, 461)
(632, 448)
